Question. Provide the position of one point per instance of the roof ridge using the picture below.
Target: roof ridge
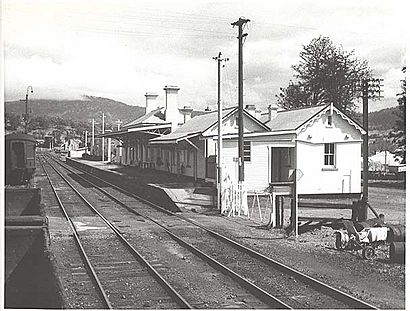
(304, 107)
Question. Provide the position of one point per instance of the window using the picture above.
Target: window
(18, 149)
(246, 151)
(330, 154)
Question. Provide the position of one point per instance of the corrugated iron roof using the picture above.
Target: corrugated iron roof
(292, 119)
(153, 117)
(195, 125)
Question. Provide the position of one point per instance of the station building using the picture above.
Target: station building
(321, 144)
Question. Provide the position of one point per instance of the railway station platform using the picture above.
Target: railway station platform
(168, 190)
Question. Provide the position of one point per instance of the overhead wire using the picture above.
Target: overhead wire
(173, 18)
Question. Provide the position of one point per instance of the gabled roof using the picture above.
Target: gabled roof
(292, 119)
(153, 117)
(195, 125)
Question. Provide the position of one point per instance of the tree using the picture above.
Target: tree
(326, 74)
(294, 95)
(12, 121)
(399, 133)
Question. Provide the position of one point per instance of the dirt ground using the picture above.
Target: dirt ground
(313, 252)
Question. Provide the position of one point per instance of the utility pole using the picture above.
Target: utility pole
(92, 137)
(26, 111)
(241, 22)
(370, 88)
(119, 122)
(219, 168)
(365, 98)
(102, 138)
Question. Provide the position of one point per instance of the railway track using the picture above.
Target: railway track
(255, 297)
(293, 290)
(121, 265)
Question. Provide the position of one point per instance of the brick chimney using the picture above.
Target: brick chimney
(150, 102)
(171, 105)
(272, 112)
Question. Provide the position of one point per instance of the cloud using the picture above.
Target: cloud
(124, 49)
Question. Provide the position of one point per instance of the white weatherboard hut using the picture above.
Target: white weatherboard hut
(321, 143)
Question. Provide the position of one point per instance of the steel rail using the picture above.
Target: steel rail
(258, 292)
(320, 286)
(83, 254)
(173, 293)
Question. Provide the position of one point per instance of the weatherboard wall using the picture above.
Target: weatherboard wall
(316, 177)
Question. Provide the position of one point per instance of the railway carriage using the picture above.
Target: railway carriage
(20, 158)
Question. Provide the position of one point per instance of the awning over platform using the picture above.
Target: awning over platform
(172, 138)
(150, 129)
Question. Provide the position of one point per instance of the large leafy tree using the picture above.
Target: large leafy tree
(326, 73)
(399, 133)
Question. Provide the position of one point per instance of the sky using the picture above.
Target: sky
(123, 49)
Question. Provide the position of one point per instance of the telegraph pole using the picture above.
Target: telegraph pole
(370, 88)
(92, 137)
(219, 169)
(365, 93)
(241, 22)
(26, 112)
(102, 138)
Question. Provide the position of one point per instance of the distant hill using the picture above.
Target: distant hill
(384, 119)
(91, 107)
(79, 110)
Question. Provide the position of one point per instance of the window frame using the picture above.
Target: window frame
(329, 155)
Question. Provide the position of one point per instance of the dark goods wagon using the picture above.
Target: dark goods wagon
(20, 158)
